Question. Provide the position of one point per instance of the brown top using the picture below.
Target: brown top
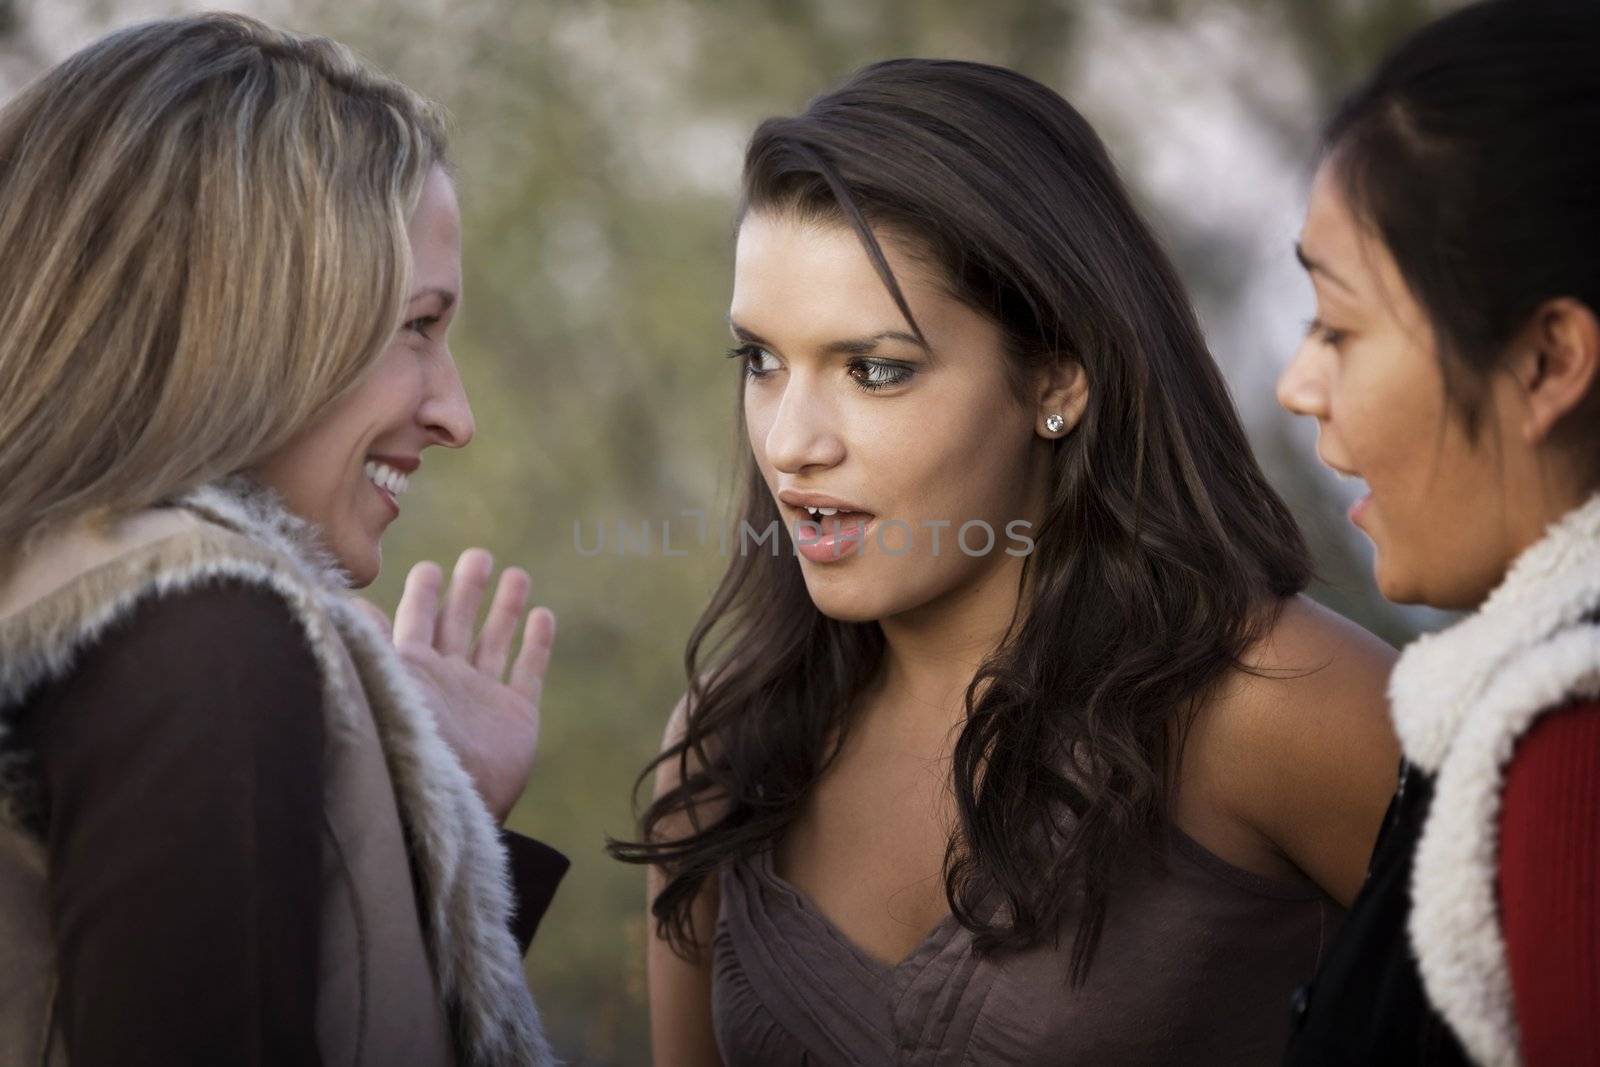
(181, 763)
(1196, 967)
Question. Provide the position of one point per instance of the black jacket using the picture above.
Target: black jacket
(1367, 1005)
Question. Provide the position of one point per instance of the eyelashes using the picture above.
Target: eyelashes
(751, 358)
(873, 374)
(870, 375)
(1326, 334)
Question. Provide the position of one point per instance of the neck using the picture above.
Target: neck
(932, 652)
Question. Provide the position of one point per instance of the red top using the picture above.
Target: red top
(1550, 887)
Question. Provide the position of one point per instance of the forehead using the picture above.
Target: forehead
(1351, 251)
(813, 281)
(1331, 233)
(435, 229)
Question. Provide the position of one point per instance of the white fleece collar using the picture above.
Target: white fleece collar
(1441, 676)
(1461, 700)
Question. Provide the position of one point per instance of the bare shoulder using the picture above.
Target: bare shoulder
(1311, 665)
(669, 772)
(1296, 747)
(678, 763)
(677, 723)
(681, 1026)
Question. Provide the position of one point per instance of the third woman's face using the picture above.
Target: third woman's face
(926, 454)
(1368, 372)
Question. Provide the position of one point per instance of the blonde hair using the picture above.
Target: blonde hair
(204, 224)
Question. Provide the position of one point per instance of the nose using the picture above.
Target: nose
(1303, 385)
(445, 411)
(803, 432)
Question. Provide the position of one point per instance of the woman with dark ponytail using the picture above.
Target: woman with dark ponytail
(1454, 364)
(1017, 743)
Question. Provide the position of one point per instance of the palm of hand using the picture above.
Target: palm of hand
(490, 719)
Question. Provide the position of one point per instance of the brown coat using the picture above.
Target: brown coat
(424, 976)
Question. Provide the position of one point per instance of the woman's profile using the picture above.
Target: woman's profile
(1454, 368)
(234, 826)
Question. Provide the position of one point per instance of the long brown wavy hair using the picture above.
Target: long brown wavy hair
(1162, 555)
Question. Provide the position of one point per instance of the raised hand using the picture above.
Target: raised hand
(489, 718)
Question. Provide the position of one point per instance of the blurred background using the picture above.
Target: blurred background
(598, 147)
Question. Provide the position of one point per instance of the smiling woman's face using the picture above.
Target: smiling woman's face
(845, 408)
(346, 472)
(1439, 510)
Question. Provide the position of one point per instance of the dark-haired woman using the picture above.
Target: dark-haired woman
(1018, 744)
(1450, 238)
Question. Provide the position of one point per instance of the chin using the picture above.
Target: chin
(1411, 588)
(1457, 587)
(848, 601)
(1396, 591)
(869, 594)
(842, 609)
(362, 565)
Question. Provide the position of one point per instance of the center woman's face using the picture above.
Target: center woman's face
(348, 472)
(897, 468)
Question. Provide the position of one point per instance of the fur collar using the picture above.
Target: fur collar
(1461, 699)
(459, 862)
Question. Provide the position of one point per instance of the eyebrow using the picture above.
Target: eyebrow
(1314, 266)
(445, 296)
(854, 346)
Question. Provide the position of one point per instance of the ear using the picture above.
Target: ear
(1063, 390)
(1558, 364)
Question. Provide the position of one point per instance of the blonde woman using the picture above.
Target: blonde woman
(233, 828)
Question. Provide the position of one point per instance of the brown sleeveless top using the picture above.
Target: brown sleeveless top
(1196, 966)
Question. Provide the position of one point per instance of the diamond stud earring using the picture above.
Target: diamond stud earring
(1054, 423)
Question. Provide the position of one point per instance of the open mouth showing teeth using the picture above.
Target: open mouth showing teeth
(836, 517)
(386, 477)
(831, 524)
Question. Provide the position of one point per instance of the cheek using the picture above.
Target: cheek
(1385, 415)
(969, 458)
(756, 419)
(304, 473)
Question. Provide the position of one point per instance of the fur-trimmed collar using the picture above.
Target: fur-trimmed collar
(1461, 699)
(242, 504)
(460, 866)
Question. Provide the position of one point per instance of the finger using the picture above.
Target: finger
(493, 647)
(527, 673)
(460, 612)
(373, 613)
(419, 604)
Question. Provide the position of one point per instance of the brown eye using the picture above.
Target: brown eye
(1325, 334)
(873, 374)
(757, 361)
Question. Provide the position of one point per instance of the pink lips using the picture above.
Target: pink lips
(403, 464)
(834, 538)
(1359, 508)
(388, 498)
(830, 538)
